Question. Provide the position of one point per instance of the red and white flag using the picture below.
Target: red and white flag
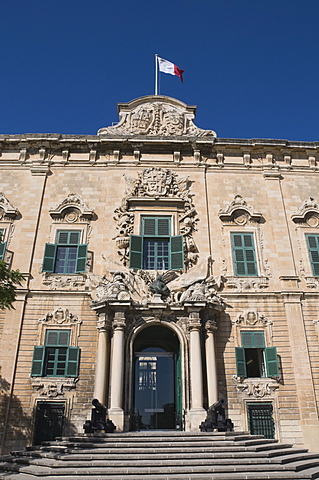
(169, 67)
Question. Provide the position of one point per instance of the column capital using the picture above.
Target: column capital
(194, 322)
(119, 320)
(104, 322)
(211, 326)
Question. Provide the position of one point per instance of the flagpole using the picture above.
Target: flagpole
(156, 74)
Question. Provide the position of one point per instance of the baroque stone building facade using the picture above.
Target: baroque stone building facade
(165, 269)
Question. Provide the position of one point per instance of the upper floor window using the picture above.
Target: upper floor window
(2, 244)
(254, 359)
(56, 358)
(313, 248)
(156, 248)
(67, 255)
(244, 254)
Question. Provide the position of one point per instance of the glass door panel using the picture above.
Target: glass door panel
(155, 390)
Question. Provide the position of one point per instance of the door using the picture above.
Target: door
(157, 380)
(49, 419)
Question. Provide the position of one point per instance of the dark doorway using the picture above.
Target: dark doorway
(157, 380)
(49, 419)
(260, 419)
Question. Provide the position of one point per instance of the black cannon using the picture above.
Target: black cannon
(216, 419)
(98, 420)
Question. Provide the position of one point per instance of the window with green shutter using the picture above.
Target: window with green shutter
(313, 249)
(254, 359)
(2, 245)
(244, 255)
(67, 256)
(156, 248)
(56, 358)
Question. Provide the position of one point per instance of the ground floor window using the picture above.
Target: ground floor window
(49, 420)
(260, 419)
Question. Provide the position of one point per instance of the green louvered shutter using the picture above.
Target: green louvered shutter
(37, 362)
(149, 227)
(49, 257)
(81, 258)
(156, 226)
(271, 362)
(240, 362)
(253, 339)
(72, 361)
(136, 244)
(177, 252)
(313, 246)
(163, 226)
(244, 254)
(2, 249)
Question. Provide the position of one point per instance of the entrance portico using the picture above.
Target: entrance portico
(149, 370)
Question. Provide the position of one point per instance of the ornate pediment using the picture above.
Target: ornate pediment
(239, 212)
(72, 209)
(6, 209)
(156, 116)
(308, 213)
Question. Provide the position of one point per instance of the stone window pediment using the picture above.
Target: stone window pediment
(308, 213)
(72, 210)
(239, 212)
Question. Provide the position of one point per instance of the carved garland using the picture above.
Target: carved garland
(157, 183)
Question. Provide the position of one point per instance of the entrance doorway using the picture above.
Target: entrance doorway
(49, 419)
(157, 380)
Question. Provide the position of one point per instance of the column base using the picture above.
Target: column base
(195, 417)
(117, 417)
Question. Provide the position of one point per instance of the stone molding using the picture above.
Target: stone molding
(255, 387)
(72, 210)
(239, 212)
(60, 316)
(56, 281)
(252, 318)
(53, 388)
(156, 116)
(308, 213)
(7, 211)
(246, 284)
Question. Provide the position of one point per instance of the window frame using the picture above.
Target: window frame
(153, 229)
(52, 250)
(268, 361)
(41, 354)
(241, 266)
(314, 264)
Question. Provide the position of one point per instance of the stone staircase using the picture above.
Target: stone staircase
(160, 455)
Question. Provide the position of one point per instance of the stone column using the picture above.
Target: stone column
(211, 367)
(115, 411)
(102, 358)
(197, 413)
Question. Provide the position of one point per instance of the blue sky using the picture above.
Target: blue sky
(251, 66)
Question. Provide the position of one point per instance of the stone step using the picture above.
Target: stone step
(145, 455)
(171, 461)
(141, 456)
(156, 470)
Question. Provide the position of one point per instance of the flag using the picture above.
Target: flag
(169, 67)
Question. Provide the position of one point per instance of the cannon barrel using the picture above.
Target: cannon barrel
(218, 405)
(98, 405)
